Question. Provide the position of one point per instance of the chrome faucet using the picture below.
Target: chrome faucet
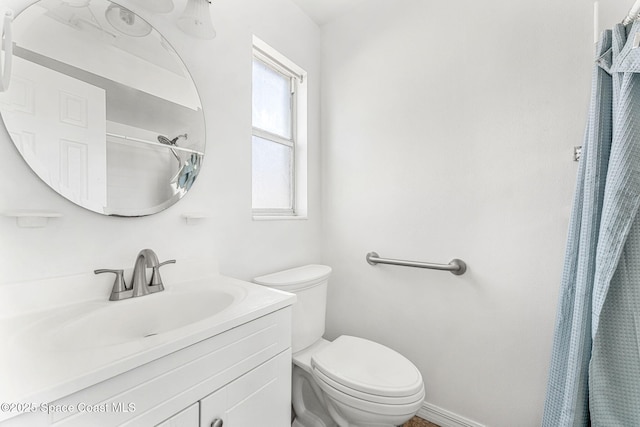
(139, 286)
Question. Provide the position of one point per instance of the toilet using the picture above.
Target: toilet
(348, 382)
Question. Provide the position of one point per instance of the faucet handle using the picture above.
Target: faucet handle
(156, 280)
(119, 285)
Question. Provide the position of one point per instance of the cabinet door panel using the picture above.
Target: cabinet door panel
(261, 397)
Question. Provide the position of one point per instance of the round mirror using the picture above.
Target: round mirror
(102, 108)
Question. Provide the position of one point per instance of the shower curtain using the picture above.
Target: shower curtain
(594, 377)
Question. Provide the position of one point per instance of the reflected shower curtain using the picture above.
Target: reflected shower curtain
(594, 377)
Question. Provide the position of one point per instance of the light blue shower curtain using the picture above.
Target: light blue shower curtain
(594, 377)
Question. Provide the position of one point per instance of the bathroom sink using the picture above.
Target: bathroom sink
(62, 335)
(95, 324)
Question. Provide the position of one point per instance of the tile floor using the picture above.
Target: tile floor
(418, 422)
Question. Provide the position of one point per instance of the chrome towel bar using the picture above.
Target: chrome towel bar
(455, 266)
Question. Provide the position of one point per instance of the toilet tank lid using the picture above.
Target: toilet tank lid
(304, 276)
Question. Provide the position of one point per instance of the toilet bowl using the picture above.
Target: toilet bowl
(350, 382)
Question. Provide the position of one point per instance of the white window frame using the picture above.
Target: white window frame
(298, 142)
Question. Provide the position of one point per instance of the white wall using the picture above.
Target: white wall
(448, 130)
(81, 241)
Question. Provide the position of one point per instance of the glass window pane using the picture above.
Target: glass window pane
(272, 174)
(271, 100)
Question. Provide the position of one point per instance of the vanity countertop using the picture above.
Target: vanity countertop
(40, 364)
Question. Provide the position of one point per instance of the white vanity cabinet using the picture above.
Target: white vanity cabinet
(253, 399)
(189, 417)
(241, 376)
(258, 398)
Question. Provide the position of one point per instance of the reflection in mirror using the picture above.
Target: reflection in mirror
(102, 108)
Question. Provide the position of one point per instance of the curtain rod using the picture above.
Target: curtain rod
(157, 144)
(633, 13)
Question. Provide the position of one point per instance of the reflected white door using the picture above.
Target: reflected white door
(59, 125)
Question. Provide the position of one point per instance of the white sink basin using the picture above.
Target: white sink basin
(95, 324)
(61, 336)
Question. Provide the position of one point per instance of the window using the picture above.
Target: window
(279, 135)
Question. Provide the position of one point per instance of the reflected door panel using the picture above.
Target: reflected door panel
(61, 124)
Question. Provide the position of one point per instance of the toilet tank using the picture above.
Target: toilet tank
(309, 283)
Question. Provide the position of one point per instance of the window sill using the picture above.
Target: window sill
(279, 217)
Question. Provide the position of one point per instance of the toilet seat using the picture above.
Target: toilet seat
(368, 406)
(373, 398)
(367, 371)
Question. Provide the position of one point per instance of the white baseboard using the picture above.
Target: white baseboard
(443, 417)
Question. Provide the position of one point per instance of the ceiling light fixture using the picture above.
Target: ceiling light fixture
(76, 3)
(126, 21)
(196, 20)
